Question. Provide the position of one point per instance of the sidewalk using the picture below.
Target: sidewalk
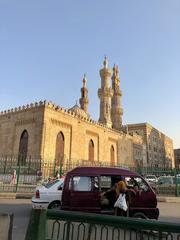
(168, 199)
(9, 195)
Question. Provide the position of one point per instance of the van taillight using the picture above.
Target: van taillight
(37, 194)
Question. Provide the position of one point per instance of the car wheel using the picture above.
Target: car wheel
(54, 205)
(140, 215)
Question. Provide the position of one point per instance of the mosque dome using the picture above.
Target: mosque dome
(79, 111)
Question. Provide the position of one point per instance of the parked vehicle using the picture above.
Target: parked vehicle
(85, 187)
(167, 181)
(151, 178)
(48, 195)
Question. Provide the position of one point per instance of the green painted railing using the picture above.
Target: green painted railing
(65, 225)
(30, 171)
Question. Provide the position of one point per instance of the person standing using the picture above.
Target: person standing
(122, 202)
(14, 176)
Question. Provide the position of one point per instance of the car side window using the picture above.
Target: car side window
(81, 183)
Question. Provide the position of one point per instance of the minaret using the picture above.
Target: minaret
(84, 96)
(105, 93)
(116, 109)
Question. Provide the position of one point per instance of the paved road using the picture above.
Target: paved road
(169, 212)
(22, 207)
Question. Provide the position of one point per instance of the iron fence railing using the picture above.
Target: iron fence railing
(65, 225)
(13, 174)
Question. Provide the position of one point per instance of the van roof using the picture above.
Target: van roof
(101, 171)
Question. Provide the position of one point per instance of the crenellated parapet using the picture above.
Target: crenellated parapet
(57, 108)
(78, 116)
(23, 108)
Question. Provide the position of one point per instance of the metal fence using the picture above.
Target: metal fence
(65, 225)
(18, 177)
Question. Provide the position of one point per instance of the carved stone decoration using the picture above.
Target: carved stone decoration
(25, 121)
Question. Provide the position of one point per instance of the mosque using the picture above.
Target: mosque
(47, 132)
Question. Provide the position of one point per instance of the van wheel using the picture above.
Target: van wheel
(54, 205)
(140, 215)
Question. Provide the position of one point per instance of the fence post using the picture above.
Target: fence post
(176, 182)
(5, 164)
(55, 168)
(29, 164)
(37, 225)
(18, 173)
(60, 171)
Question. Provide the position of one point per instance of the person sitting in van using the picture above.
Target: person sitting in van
(137, 189)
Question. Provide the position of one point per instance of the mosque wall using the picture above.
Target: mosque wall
(77, 134)
(43, 122)
(12, 125)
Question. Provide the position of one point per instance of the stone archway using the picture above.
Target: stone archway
(91, 150)
(23, 148)
(112, 156)
(59, 154)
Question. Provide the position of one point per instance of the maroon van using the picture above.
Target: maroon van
(88, 189)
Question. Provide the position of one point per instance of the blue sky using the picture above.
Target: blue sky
(46, 47)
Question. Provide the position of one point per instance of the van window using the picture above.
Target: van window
(105, 181)
(87, 184)
(137, 181)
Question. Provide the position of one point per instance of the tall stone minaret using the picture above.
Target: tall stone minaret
(116, 109)
(84, 96)
(105, 93)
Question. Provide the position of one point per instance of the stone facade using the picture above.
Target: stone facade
(159, 147)
(44, 121)
(12, 124)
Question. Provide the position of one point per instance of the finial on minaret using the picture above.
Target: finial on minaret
(84, 80)
(105, 62)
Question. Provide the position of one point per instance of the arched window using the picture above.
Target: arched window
(91, 150)
(59, 149)
(112, 156)
(23, 148)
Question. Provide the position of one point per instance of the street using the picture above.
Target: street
(169, 212)
(21, 209)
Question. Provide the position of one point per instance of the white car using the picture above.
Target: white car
(48, 195)
(151, 178)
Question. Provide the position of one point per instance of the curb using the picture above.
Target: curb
(7, 195)
(168, 199)
(16, 195)
(24, 195)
